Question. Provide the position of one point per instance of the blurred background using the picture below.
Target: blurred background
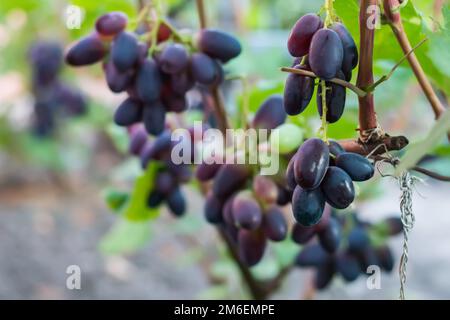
(58, 160)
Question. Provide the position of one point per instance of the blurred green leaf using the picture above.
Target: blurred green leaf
(115, 199)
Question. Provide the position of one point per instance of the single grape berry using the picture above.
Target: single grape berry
(338, 189)
(203, 69)
(324, 275)
(213, 209)
(335, 99)
(290, 174)
(358, 239)
(265, 189)
(270, 114)
(350, 59)
(252, 245)
(274, 224)
(385, 257)
(311, 163)
(307, 206)
(326, 54)
(207, 171)
(330, 236)
(86, 51)
(117, 81)
(173, 59)
(246, 211)
(230, 178)
(298, 92)
(357, 167)
(165, 183)
(154, 118)
(137, 140)
(111, 23)
(301, 234)
(348, 266)
(302, 33)
(218, 44)
(148, 81)
(312, 256)
(176, 202)
(128, 113)
(125, 51)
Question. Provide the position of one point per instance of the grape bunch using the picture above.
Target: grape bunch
(329, 52)
(50, 92)
(244, 202)
(320, 173)
(169, 176)
(156, 76)
(361, 245)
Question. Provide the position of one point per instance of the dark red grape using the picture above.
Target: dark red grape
(218, 44)
(302, 33)
(129, 112)
(350, 60)
(324, 275)
(311, 163)
(357, 167)
(164, 32)
(125, 51)
(312, 256)
(298, 91)
(207, 171)
(265, 189)
(176, 202)
(274, 224)
(154, 117)
(252, 245)
(338, 189)
(301, 234)
(270, 114)
(395, 225)
(348, 266)
(138, 138)
(358, 240)
(117, 81)
(213, 209)
(326, 54)
(148, 81)
(86, 51)
(111, 23)
(173, 59)
(230, 178)
(204, 69)
(330, 237)
(307, 206)
(246, 211)
(335, 99)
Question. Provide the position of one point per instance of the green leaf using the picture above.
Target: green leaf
(418, 150)
(125, 237)
(439, 52)
(137, 209)
(115, 199)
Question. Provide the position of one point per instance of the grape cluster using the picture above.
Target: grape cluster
(156, 76)
(169, 176)
(346, 246)
(329, 53)
(50, 92)
(245, 203)
(320, 173)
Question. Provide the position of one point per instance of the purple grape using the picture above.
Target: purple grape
(335, 99)
(301, 234)
(204, 69)
(129, 112)
(154, 118)
(274, 224)
(213, 209)
(338, 189)
(302, 33)
(311, 163)
(86, 51)
(148, 81)
(176, 202)
(298, 92)
(307, 206)
(350, 60)
(206, 171)
(246, 211)
(116, 80)
(173, 59)
(270, 114)
(218, 44)
(230, 178)
(125, 51)
(312, 256)
(356, 166)
(137, 140)
(111, 23)
(348, 266)
(251, 246)
(330, 237)
(326, 54)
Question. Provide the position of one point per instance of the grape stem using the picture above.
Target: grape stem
(324, 127)
(360, 92)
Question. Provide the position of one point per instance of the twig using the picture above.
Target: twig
(352, 87)
(201, 14)
(365, 148)
(431, 174)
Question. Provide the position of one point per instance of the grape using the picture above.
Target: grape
(265, 189)
(335, 148)
(338, 189)
(155, 199)
(301, 234)
(311, 163)
(252, 245)
(358, 240)
(385, 257)
(350, 60)
(204, 69)
(395, 225)
(218, 44)
(274, 224)
(88, 50)
(326, 54)
(302, 33)
(335, 100)
(290, 175)
(138, 140)
(164, 32)
(111, 23)
(246, 211)
(176, 202)
(357, 167)
(148, 81)
(348, 266)
(312, 256)
(125, 51)
(165, 183)
(154, 116)
(228, 211)
(142, 52)
(175, 103)
(46, 58)
(182, 82)
(182, 172)
(330, 237)
(298, 92)
(368, 258)
(307, 206)
(324, 276)
(284, 196)
(117, 81)
(270, 114)
(173, 59)
(207, 171)
(213, 209)
(158, 150)
(230, 178)
(128, 113)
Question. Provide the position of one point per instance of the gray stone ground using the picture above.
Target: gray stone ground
(43, 230)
